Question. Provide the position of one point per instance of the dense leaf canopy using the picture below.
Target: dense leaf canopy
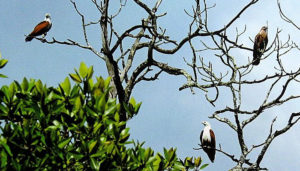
(74, 126)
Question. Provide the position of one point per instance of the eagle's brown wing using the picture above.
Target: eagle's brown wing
(260, 44)
(42, 28)
(211, 152)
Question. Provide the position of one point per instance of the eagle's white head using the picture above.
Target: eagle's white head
(206, 124)
(48, 17)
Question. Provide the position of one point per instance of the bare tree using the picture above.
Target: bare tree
(149, 36)
(286, 18)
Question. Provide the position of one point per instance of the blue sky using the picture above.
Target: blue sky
(168, 117)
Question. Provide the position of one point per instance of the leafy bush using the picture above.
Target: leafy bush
(73, 127)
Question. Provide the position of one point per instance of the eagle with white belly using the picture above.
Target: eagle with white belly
(208, 141)
(41, 29)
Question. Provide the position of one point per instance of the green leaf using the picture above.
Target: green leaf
(97, 154)
(39, 86)
(24, 84)
(90, 85)
(96, 127)
(188, 162)
(57, 123)
(3, 158)
(166, 154)
(35, 142)
(117, 117)
(16, 165)
(52, 127)
(61, 155)
(157, 164)
(7, 149)
(197, 161)
(12, 89)
(92, 145)
(171, 154)
(110, 110)
(148, 153)
(63, 143)
(75, 78)
(111, 127)
(3, 76)
(124, 135)
(76, 156)
(18, 86)
(137, 107)
(43, 139)
(178, 166)
(101, 102)
(107, 82)
(3, 62)
(100, 82)
(90, 72)
(203, 166)
(95, 165)
(44, 159)
(83, 70)
(127, 108)
(91, 112)
(132, 101)
(78, 104)
(66, 85)
(151, 160)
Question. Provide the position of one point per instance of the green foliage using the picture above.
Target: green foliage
(73, 127)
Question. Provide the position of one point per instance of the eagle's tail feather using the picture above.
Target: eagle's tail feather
(256, 57)
(28, 38)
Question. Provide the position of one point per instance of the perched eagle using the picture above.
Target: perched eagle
(41, 29)
(208, 141)
(260, 44)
